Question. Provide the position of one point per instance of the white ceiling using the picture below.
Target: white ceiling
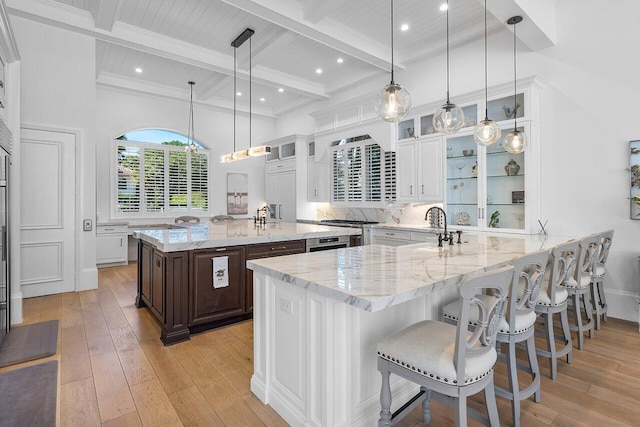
(175, 41)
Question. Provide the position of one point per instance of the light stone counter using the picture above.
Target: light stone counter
(238, 232)
(375, 277)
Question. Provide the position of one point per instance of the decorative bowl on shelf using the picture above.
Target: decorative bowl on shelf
(462, 218)
(467, 153)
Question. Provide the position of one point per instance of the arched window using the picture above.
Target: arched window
(156, 175)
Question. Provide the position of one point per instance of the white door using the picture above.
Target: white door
(287, 196)
(47, 189)
(406, 172)
(430, 171)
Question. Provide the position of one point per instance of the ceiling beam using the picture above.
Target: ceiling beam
(538, 28)
(213, 86)
(106, 13)
(328, 31)
(75, 20)
(314, 10)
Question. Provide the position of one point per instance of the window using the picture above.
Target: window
(155, 175)
(363, 174)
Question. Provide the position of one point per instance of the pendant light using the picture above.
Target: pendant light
(487, 132)
(515, 141)
(449, 118)
(251, 151)
(393, 101)
(191, 146)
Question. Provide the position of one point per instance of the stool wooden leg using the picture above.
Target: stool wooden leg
(578, 318)
(385, 395)
(461, 411)
(586, 301)
(551, 345)
(566, 331)
(426, 406)
(514, 387)
(597, 307)
(533, 363)
(492, 408)
(603, 299)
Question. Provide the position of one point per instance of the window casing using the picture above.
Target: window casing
(158, 180)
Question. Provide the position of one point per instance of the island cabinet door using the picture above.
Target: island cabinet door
(157, 285)
(145, 260)
(217, 295)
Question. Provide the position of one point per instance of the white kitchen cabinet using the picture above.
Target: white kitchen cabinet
(111, 245)
(318, 181)
(422, 124)
(280, 192)
(390, 237)
(419, 176)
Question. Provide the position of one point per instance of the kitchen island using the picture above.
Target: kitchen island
(193, 277)
(318, 317)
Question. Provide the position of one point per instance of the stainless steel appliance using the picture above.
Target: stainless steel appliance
(356, 240)
(326, 243)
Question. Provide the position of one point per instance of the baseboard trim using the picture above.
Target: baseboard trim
(622, 304)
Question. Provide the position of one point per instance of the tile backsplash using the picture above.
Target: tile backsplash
(408, 214)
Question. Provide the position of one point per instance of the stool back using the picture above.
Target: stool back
(587, 257)
(605, 243)
(527, 270)
(482, 337)
(563, 258)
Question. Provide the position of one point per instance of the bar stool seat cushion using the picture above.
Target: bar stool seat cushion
(598, 270)
(543, 296)
(585, 280)
(427, 348)
(523, 322)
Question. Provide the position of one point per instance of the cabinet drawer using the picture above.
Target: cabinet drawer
(111, 229)
(391, 234)
(264, 250)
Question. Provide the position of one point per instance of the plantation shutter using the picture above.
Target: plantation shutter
(199, 181)
(338, 184)
(354, 174)
(154, 180)
(128, 164)
(373, 183)
(390, 176)
(178, 180)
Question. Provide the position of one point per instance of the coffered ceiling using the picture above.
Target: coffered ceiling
(174, 41)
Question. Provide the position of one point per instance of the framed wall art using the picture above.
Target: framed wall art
(237, 193)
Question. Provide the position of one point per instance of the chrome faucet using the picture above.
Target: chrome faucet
(437, 216)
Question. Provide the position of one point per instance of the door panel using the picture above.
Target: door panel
(47, 187)
(287, 196)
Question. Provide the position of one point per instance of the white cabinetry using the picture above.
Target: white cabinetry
(111, 245)
(318, 177)
(401, 237)
(420, 170)
(280, 192)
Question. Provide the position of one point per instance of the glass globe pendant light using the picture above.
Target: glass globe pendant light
(393, 101)
(487, 132)
(449, 118)
(515, 141)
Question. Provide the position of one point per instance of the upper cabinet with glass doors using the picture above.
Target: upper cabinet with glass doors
(422, 124)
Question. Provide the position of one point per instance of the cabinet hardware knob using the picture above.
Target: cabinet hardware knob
(422, 188)
(390, 234)
(1, 84)
(157, 263)
(411, 189)
(280, 248)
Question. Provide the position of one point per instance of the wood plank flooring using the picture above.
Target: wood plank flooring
(115, 372)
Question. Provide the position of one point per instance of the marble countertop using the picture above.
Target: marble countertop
(375, 277)
(231, 233)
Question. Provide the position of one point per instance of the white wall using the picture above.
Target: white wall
(119, 111)
(591, 78)
(58, 91)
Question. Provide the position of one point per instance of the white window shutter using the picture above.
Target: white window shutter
(128, 164)
(154, 180)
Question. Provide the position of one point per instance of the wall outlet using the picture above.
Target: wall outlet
(637, 304)
(86, 225)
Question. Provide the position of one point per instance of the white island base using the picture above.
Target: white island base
(315, 356)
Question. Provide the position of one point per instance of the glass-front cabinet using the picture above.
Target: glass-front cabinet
(422, 124)
(487, 187)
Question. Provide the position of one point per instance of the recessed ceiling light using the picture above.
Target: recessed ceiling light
(239, 93)
(340, 60)
(280, 90)
(318, 70)
(138, 70)
(444, 7)
(404, 27)
(262, 99)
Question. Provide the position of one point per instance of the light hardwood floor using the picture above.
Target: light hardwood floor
(115, 372)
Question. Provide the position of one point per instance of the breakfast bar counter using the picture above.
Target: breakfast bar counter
(318, 317)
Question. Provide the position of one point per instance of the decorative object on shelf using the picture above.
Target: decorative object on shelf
(474, 170)
(449, 151)
(469, 121)
(510, 113)
(393, 101)
(251, 151)
(512, 168)
(430, 130)
(634, 169)
(449, 118)
(517, 197)
(462, 218)
(191, 145)
(410, 132)
(515, 141)
(467, 153)
(487, 132)
(494, 221)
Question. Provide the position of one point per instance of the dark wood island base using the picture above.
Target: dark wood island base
(177, 287)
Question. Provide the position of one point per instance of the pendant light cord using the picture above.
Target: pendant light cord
(235, 96)
(392, 67)
(190, 129)
(447, 51)
(486, 67)
(250, 92)
(515, 93)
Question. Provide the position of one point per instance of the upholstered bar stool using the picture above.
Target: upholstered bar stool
(552, 301)
(518, 325)
(446, 360)
(579, 288)
(597, 279)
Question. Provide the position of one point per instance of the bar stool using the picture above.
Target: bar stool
(446, 360)
(516, 326)
(598, 296)
(553, 300)
(186, 219)
(579, 288)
